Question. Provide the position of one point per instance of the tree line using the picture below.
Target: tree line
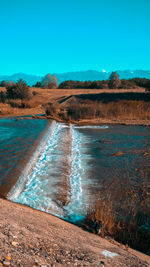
(114, 82)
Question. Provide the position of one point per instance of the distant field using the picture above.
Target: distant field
(36, 105)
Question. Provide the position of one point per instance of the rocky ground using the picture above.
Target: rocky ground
(33, 238)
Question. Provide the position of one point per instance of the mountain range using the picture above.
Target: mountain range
(89, 75)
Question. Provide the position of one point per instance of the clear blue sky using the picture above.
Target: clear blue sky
(41, 36)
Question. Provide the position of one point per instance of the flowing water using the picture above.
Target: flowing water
(59, 168)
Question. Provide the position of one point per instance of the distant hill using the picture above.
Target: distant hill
(30, 79)
(91, 75)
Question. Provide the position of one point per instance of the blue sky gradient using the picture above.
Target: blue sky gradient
(41, 36)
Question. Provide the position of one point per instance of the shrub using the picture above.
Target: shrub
(34, 93)
(15, 103)
(2, 97)
(52, 109)
(19, 90)
(127, 84)
(18, 103)
(4, 84)
(142, 82)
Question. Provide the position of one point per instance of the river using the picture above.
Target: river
(61, 168)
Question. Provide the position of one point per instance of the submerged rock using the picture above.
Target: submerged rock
(145, 154)
(117, 154)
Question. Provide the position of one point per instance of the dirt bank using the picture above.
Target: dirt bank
(33, 238)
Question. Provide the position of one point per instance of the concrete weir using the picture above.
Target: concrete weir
(52, 179)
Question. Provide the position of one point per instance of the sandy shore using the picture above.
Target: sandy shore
(32, 238)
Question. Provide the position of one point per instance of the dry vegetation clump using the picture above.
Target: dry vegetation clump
(83, 110)
(126, 110)
(5, 109)
(18, 103)
(52, 109)
(88, 109)
(113, 110)
(122, 211)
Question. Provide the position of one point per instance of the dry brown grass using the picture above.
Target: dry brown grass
(126, 110)
(6, 109)
(42, 97)
(91, 110)
(126, 220)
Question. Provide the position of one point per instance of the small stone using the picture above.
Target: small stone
(6, 263)
(127, 246)
(117, 154)
(14, 243)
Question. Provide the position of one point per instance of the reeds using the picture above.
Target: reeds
(87, 109)
(123, 212)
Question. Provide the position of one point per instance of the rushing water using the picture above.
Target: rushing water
(70, 163)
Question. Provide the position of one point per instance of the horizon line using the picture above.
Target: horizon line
(54, 73)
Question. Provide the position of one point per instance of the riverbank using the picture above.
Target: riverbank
(96, 122)
(33, 238)
(84, 122)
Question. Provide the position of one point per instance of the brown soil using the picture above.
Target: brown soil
(32, 238)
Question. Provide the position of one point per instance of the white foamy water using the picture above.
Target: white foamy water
(92, 127)
(38, 181)
(17, 189)
(74, 208)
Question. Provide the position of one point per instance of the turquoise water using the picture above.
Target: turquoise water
(17, 140)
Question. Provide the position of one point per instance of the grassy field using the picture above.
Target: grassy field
(83, 108)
